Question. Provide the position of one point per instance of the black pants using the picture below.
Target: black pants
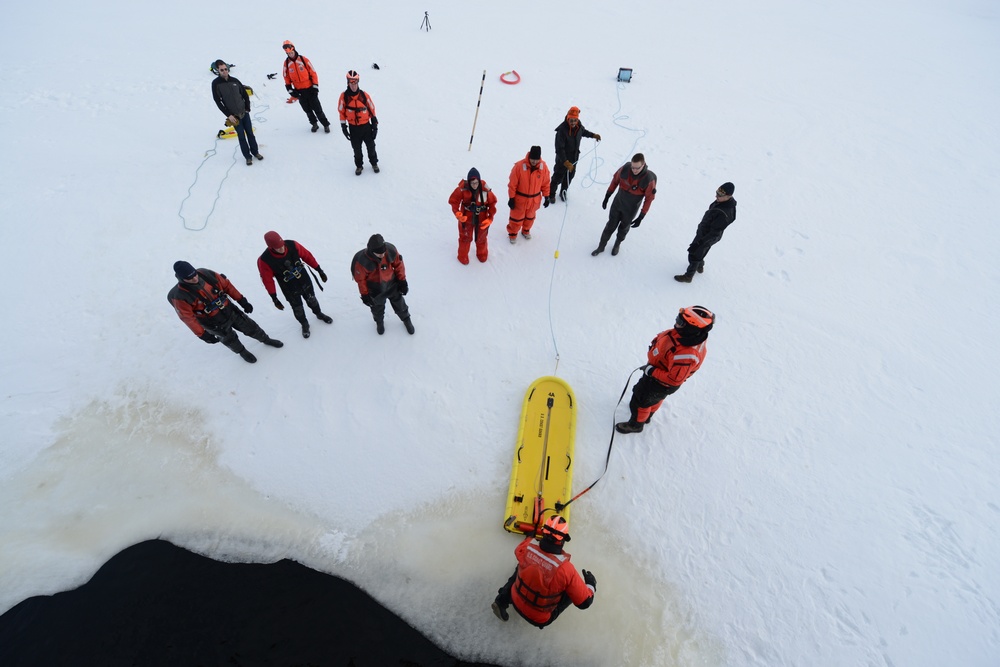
(562, 177)
(309, 101)
(699, 248)
(395, 300)
(505, 599)
(303, 291)
(362, 134)
(647, 394)
(619, 218)
(230, 320)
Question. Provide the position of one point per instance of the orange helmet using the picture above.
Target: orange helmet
(697, 317)
(287, 45)
(557, 528)
(352, 76)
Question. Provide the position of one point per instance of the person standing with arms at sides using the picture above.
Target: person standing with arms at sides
(285, 261)
(358, 122)
(528, 190)
(720, 214)
(379, 271)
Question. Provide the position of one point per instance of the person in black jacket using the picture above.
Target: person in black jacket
(568, 136)
(379, 271)
(720, 214)
(231, 97)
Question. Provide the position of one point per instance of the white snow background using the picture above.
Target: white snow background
(822, 492)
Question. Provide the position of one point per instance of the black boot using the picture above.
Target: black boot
(248, 356)
(616, 247)
(597, 252)
(315, 127)
(272, 342)
(629, 427)
(324, 318)
(701, 267)
(409, 326)
(685, 277)
(500, 609)
(305, 330)
(380, 327)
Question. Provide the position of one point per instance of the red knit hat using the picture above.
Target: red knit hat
(574, 112)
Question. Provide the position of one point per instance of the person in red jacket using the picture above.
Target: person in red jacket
(201, 299)
(302, 82)
(474, 206)
(357, 112)
(545, 583)
(674, 356)
(635, 183)
(286, 261)
(381, 276)
(527, 189)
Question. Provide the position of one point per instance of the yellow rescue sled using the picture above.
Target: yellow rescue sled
(541, 480)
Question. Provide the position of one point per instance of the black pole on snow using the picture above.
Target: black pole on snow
(478, 102)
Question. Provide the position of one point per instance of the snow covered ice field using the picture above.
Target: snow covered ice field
(822, 492)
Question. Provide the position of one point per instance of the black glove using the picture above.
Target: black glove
(245, 305)
(294, 93)
(638, 221)
(367, 300)
(404, 287)
(316, 87)
(277, 304)
(288, 87)
(374, 132)
(208, 338)
(545, 202)
(343, 126)
(604, 204)
(647, 369)
(590, 579)
(322, 275)
(510, 203)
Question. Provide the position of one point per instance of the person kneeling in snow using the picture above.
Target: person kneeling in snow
(674, 356)
(545, 582)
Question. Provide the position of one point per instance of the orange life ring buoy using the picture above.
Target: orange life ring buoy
(517, 77)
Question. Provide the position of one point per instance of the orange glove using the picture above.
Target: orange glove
(486, 222)
(461, 217)
(569, 165)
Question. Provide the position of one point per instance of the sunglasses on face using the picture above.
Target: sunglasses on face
(288, 48)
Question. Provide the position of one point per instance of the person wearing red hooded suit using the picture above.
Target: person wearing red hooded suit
(527, 189)
(545, 583)
(285, 261)
(474, 206)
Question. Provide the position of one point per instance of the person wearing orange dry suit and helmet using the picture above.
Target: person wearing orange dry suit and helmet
(527, 189)
(674, 356)
(358, 122)
(545, 583)
(302, 83)
(203, 300)
(474, 206)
